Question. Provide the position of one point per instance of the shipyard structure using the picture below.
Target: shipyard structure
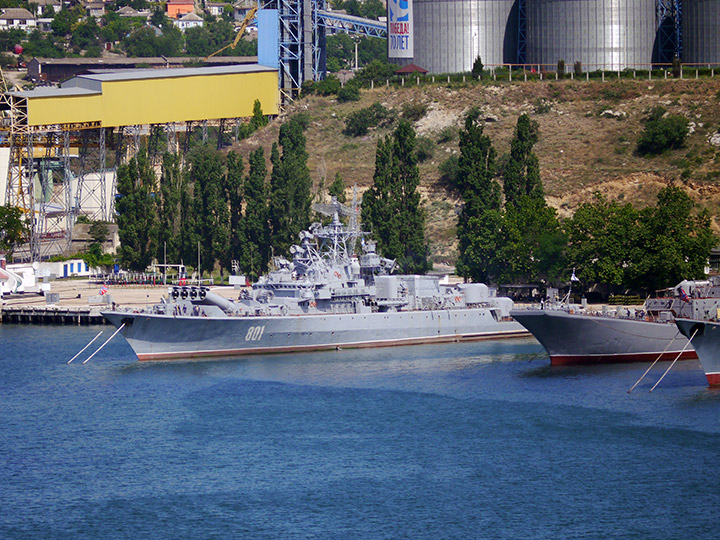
(446, 36)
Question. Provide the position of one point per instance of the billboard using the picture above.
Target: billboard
(400, 29)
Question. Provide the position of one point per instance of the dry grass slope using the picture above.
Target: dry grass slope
(581, 150)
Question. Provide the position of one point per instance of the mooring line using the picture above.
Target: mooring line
(653, 364)
(85, 347)
(106, 342)
(676, 359)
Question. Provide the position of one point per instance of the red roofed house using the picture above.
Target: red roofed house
(411, 68)
(178, 8)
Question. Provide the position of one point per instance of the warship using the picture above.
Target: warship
(704, 336)
(571, 334)
(325, 298)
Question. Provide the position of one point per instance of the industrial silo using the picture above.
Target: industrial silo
(701, 31)
(602, 34)
(450, 34)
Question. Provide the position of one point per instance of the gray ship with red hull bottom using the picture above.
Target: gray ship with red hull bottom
(572, 335)
(704, 336)
(325, 298)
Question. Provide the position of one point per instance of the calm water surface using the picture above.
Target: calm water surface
(481, 440)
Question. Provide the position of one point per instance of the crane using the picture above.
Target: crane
(241, 30)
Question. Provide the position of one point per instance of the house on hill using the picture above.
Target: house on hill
(178, 8)
(17, 18)
(410, 69)
(189, 20)
(39, 5)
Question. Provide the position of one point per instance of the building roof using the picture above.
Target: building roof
(190, 17)
(181, 2)
(411, 68)
(150, 61)
(139, 74)
(45, 2)
(52, 91)
(16, 13)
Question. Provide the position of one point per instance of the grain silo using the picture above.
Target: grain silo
(701, 31)
(451, 34)
(602, 34)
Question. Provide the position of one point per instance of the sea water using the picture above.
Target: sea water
(471, 440)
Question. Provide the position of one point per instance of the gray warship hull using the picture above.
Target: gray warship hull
(168, 337)
(571, 338)
(706, 342)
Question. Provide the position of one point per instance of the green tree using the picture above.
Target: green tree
(64, 21)
(258, 119)
(480, 218)
(478, 67)
(522, 172)
(391, 207)
(14, 229)
(86, 34)
(255, 253)
(662, 132)
(673, 244)
(136, 211)
(210, 206)
(290, 187)
(234, 188)
(337, 189)
(170, 219)
(603, 242)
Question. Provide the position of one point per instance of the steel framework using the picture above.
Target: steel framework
(669, 27)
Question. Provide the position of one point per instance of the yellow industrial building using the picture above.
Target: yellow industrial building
(149, 96)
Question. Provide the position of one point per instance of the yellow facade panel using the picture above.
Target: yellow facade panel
(64, 109)
(191, 98)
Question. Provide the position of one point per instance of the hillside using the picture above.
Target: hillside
(581, 150)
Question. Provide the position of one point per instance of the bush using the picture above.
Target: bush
(478, 67)
(662, 133)
(359, 122)
(561, 69)
(425, 148)
(449, 171)
(329, 85)
(448, 134)
(414, 111)
(349, 92)
(578, 68)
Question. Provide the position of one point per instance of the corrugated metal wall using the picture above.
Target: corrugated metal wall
(451, 34)
(602, 34)
(701, 31)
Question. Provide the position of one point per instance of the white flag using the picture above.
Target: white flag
(574, 277)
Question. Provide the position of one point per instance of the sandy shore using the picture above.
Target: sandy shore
(80, 293)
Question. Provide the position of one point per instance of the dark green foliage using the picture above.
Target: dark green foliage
(676, 67)
(522, 173)
(425, 148)
(359, 122)
(349, 92)
(14, 228)
(645, 250)
(136, 211)
(561, 69)
(662, 132)
(209, 205)
(258, 119)
(234, 192)
(175, 226)
(64, 21)
(337, 189)
(377, 71)
(578, 68)
(9, 38)
(40, 44)
(329, 85)
(290, 188)
(391, 207)
(480, 218)
(449, 170)
(144, 42)
(369, 9)
(413, 112)
(255, 232)
(99, 231)
(478, 67)
(86, 34)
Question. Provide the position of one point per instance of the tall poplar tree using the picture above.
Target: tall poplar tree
(522, 172)
(210, 206)
(136, 211)
(234, 190)
(256, 235)
(481, 218)
(392, 205)
(290, 187)
(170, 222)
